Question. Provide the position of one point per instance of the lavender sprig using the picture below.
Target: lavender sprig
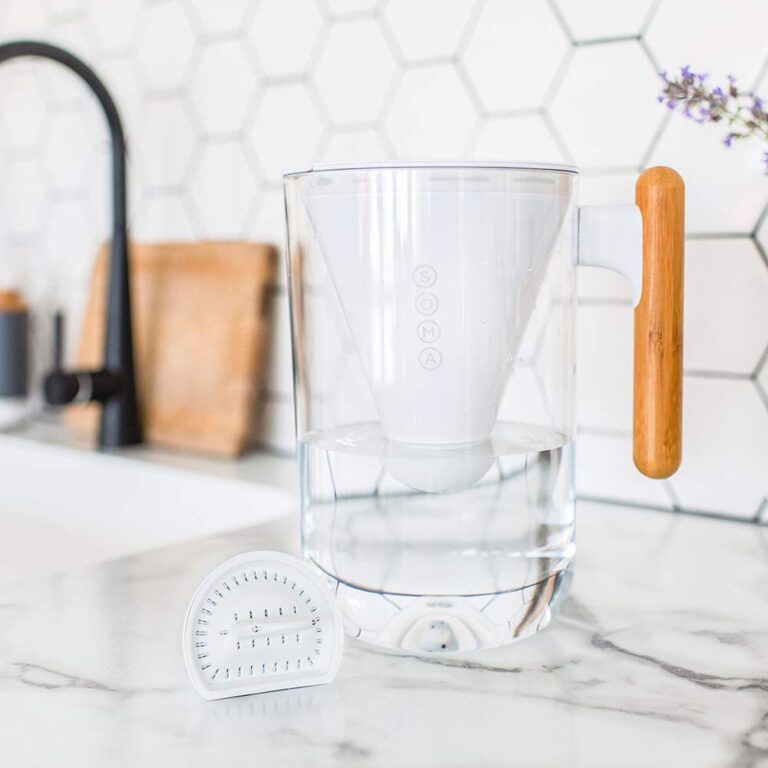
(745, 115)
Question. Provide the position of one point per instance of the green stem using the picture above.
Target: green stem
(736, 117)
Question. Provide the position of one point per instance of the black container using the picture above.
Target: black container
(14, 346)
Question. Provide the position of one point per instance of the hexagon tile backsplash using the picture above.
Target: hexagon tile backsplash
(219, 95)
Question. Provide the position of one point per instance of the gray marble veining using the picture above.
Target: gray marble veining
(659, 659)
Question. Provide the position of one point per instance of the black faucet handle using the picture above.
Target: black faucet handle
(59, 386)
(58, 340)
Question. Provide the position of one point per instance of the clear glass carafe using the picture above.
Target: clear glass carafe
(433, 324)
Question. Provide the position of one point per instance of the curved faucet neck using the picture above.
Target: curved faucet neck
(22, 48)
(120, 424)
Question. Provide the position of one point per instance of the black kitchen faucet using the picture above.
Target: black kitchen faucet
(114, 384)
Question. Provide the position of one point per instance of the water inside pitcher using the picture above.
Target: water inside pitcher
(475, 567)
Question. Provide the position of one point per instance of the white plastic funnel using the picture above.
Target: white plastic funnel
(437, 283)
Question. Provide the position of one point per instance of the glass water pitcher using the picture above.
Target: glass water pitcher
(433, 310)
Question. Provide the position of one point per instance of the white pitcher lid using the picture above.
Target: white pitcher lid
(458, 164)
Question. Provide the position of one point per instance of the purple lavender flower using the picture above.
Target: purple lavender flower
(744, 114)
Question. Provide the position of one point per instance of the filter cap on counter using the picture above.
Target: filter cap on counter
(262, 621)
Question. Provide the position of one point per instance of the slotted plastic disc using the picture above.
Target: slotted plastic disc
(263, 621)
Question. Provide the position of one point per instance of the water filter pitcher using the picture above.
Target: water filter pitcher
(433, 327)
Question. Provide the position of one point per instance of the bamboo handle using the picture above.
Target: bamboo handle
(658, 385)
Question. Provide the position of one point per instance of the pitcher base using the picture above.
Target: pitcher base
(445, 624)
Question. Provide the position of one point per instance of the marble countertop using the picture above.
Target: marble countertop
(660, 659)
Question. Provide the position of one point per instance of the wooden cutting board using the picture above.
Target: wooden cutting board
(200, 331)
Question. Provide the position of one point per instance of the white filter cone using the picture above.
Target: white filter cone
(437, 296)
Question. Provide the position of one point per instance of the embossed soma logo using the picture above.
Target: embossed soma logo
(428, 331)
(427, 304)
(424, 276)
(430, 358)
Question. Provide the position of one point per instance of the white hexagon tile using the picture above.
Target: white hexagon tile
(528, 138)
(69, 150)
(219, 18)
(113, 24)
(605, 470)
(726, 308)
(598, 20)
(761, 382)
(121, 76)
(60, 87)
(725, 188)
(221, 190)
(606, 105)
(75, 37)
(68, 242)
(354, 145)
(219, 97)
(163, 216)
(164, 47)
(604, 391)
(23, 128)
(417, 36)
(286, 129)
(432, 115)
(23, 194)
(20, 18)
(284, 36)
(513, 53)
(709, 37)
(725, 433)
(354, 71)
(164, 143)
(267, 224)
(221, 110)
(341, 8)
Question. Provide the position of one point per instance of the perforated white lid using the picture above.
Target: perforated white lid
(263, 621)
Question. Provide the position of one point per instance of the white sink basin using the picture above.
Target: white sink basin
(62, 506)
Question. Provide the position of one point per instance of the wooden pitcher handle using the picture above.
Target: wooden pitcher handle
(658, 385)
